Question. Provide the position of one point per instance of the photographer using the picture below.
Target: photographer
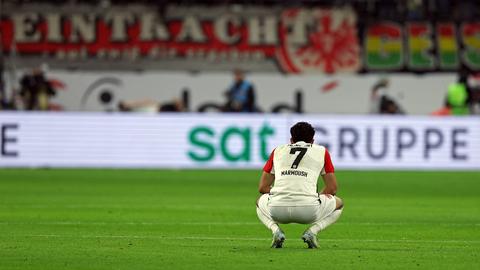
(36, 91)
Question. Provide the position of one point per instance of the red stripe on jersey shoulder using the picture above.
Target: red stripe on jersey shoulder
(328, 166)
(269, 164)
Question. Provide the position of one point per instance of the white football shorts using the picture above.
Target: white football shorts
(304, 214)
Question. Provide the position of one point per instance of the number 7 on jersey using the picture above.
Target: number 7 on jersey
(299, 157)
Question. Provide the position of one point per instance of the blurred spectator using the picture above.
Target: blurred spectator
(175, 106)
(241, 95)
(475, 102)
(474, 94)
(389, 106)
(415, 10)
(36, 91)
(457, 98)
(380, 102)
(151, 106)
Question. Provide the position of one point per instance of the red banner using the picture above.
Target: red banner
(298, 40)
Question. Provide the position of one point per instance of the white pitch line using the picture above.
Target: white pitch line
(221, 223)
(406, 223)
(244, 238)
(130, 223)
(96, 206)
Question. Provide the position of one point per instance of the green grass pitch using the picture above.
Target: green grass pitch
(201, 219)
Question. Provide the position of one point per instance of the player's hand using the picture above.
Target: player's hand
(326, 194)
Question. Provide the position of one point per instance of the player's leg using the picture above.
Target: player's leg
(323, 222)
(263, 213)
(329, 212)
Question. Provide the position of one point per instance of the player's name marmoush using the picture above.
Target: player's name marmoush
(294, 172)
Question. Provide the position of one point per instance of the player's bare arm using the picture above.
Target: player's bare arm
(330, 188)
(266, 181)
(330, 184)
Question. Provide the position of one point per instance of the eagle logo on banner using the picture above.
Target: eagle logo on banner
(330, 43)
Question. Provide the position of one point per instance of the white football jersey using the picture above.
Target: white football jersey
(297, 168)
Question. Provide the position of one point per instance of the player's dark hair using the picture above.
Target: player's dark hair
(302, 131)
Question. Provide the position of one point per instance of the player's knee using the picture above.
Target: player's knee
(257, 203)
(339, 203)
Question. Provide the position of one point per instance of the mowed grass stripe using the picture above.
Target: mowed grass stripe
(219, 238)
(100, 223)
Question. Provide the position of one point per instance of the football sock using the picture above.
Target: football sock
(327, 221)
(267, 221)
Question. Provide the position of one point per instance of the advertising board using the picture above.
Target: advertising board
(232, 141)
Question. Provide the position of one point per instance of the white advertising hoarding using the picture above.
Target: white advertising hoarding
(399, 142)
(132, 140)
(232, 140)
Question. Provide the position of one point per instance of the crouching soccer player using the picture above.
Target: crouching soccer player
(289, 187)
